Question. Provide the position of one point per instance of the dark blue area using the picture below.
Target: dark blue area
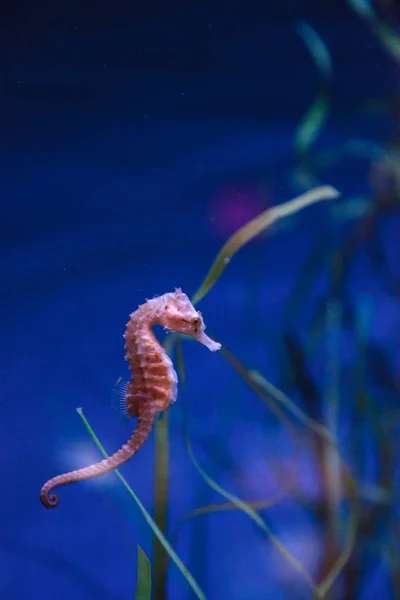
(121, 124)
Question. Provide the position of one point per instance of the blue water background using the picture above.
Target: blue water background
(120, 127)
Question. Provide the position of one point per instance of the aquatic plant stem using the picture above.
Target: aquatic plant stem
(185, 572)
(161, 470)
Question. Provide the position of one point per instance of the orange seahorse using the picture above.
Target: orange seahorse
(154, 381)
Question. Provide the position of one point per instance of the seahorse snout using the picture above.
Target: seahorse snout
(206, 341)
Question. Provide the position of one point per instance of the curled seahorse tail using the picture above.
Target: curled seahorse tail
(48, 500)
(139, 437)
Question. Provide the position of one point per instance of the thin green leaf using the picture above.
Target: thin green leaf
(285, 401)
(185, 572)
(254, 228)
(260, 392)
(143, 586)
(389, 38)
(244, 506)
(312, 123)
(228, 506)
(351, 491)
(161, 482)
(317, 48)
(217, 508)
(330, 401)
(259, 383)
(349, 485)
(311, 126)
(363, 8)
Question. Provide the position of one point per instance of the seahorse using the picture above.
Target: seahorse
(153, 387)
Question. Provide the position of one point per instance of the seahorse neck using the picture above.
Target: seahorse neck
(140, 338)
(142, 327)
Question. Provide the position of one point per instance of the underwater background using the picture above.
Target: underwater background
(136, 138)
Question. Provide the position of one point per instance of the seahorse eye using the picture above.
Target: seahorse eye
(196, 322)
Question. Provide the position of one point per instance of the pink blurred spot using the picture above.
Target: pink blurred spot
(234, 206)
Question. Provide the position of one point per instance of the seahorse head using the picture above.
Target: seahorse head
(178, 314)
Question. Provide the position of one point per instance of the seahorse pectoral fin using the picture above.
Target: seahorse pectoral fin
(117, 397)
(123, 399)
